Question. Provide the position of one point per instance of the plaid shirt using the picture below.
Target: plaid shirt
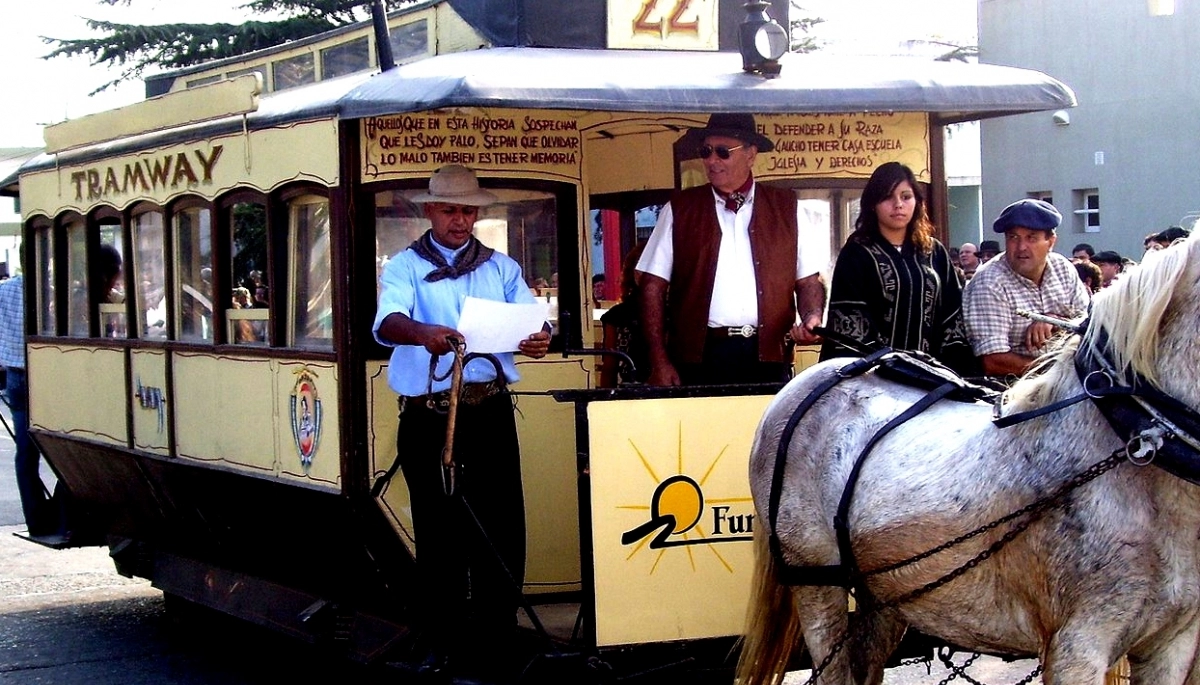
(995, 293)
(12, 323)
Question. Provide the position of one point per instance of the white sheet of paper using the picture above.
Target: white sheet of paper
(490, 326)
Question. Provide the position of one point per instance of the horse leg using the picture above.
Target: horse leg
(824, 614)
(1082, 658)
(876, 636)
(1173, 662)
(863, 641)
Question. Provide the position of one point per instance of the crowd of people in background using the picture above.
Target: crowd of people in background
(1097, 270)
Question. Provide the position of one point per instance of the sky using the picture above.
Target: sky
(48, 91)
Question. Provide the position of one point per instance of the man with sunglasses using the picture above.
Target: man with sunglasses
(728, 267)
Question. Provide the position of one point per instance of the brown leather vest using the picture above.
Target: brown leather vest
(696, 240)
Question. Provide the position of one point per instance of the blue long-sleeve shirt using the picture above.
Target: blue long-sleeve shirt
(405, 291)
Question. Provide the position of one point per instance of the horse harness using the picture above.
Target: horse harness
(1156, 428)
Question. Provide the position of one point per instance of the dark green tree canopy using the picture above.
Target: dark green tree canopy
(132, 47)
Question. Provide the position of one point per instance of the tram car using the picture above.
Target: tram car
(218, 414)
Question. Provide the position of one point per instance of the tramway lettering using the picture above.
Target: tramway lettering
(146, 175)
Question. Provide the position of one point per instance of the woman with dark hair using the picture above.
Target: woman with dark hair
(894, 284)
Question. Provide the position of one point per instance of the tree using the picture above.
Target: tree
(132, 47)
(800, 27)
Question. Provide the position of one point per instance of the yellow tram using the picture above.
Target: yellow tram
(219, 414)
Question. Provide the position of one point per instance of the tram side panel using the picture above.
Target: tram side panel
(548, 467)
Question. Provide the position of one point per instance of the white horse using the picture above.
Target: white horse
(1113, 569)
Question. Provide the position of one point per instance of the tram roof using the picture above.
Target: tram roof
(673, 81)
(628, 81)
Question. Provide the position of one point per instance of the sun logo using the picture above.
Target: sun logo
(679, 510)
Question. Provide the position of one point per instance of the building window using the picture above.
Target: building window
(1043, 195)
(1087, 211)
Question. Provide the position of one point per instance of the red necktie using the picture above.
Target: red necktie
(735, 200)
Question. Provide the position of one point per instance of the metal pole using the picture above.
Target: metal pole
(383, 42)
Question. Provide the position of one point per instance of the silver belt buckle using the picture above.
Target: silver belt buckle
(746, 331)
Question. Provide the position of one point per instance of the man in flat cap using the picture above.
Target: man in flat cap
(1028, 276)
(732, 270)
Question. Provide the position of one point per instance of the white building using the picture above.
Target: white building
(1123, 163)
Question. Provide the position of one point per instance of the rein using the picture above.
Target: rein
(449, 466)
(454, 395)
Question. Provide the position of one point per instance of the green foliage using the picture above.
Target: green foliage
(133, 48)
(800, 26)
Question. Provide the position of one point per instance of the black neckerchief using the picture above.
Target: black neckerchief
(472, 256)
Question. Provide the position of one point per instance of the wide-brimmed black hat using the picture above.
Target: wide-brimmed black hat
(732, 125)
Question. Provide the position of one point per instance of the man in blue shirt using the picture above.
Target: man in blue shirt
(12, 357)
(461, 583)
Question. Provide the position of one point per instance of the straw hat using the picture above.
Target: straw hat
(456, 185)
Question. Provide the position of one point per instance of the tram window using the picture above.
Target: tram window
(260, 69)
(248, 315)
(77, 274)
(203, 81)
(345, 58)
(522, 225)
(47, 316)
(310, 282)
(293, 71)
(193, 274)
(149, 272)
(107, 281)
(409, 40)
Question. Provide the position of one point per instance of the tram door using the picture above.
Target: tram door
(535, 223)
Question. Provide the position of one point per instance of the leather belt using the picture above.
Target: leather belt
(746, 331)
(471, 393)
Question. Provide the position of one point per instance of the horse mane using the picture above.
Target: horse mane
(1130, 314)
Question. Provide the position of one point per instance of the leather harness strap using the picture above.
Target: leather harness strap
(845, 573)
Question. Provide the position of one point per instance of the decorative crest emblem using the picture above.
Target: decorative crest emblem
(306, 415)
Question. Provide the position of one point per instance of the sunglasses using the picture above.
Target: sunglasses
(723, 152)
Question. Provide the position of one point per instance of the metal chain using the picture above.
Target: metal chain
(959, 671)
(1094, 471)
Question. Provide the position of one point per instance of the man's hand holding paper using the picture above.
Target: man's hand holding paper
(491, 327)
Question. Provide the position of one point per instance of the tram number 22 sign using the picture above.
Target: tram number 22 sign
(673, 24)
